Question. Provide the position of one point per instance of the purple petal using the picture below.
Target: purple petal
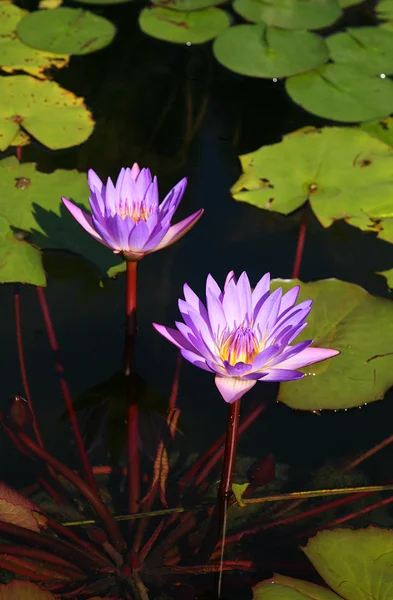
(121, 230)
(94, 181)
(228, 278)
(308, 357)
(193, 300)
(282, 375)
(292, 320)
(111, 199)
(102, 229)
(213, 287)
(244, 295)
(120, 178)
(127, 194)
(84, 219)
(287, 336)
(138, 236)
(216, 314)
(150, 195)
(197, 324)
(135, 170)
(289, 299)
(97, 205)
(172, 200)
(237, 370)
(142, 183)
(195, 359)
(196, 340)
(266, 355)
(233, 388)
(265, 320)
(178, 230)
(261, 289)
(173, 336)
(231, 306)
(289, 352)
(156, 236)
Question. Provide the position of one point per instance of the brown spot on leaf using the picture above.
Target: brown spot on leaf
(312, 188)
(22, 183)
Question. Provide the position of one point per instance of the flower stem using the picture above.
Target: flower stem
(300, 246)
(225, 489)
(133, 466)
(65, 389)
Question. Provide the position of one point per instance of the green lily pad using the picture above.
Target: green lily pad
(384, 10)
(290, 14)
(343, 172)
(66, 30)
(369, 49)
(178, 27)
(340, 318)
(30, 201)
(187, 5)
(107, 2)
(388, 276)
(16, 56)
(288, 588)
(355, 564)
(380, 128)
(261, 51)
(54, 116)
(347, 3)
(342, 93)
(19, 261)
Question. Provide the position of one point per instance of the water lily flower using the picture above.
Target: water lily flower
(127, 216)
(244, 336)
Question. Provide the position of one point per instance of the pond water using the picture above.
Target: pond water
(176, 110)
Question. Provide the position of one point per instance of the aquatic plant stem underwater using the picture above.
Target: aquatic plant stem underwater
(300, 245)
(133, 460)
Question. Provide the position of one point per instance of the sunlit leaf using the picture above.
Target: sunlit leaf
(369, 49)
(238, 491)
(16, 56)
(21, 139)
(66, 30)
(288, 588)
(384, 10)
(341, 317)
(19, 510)
(381, 129)
(261, 51)
(19, 261)
(347, 3)
(357, 565)
(54, 116)
(23, 590)
(342, 93)
(343, 172)
(290, 14)
(194, 27)
(388, 276)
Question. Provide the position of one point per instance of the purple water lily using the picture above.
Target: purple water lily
(244, 336)
(128, 218)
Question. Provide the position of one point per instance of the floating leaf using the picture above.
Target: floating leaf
(355, 564)
(107, 2)
(194, 27)
(21, 139)
(381, 129)
(388, 276)
(238, 490)
(16, 56)
(343, 172)
(347, 3)
(30, 201)
(187, 5)
(340, 318)
(66, 30)
(384, 10)
(23, 590)
(50, 4)
(19, 261)
(341, 92)
(54, 116)
(19, 510)
(290, 14)
(369, 49)
(261, 51)
(288, 588)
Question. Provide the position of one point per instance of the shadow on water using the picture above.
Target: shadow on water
(177, 111)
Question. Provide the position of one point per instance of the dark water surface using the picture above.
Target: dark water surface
(146, 96)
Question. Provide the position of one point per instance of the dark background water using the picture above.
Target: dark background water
(146, 97)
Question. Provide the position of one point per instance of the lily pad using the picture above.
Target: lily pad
(178, 27)
(288, 588)
(66, 30)
(369, 49)
(54, 116)
(343, 172)
(30, 201)
(290, 14)
(107, 2)
(342, 93)
(340, 318)
(261, 51)
(388, 276)
(380, 128)
(187, 5)
(23, 590)
(16, 56)
(347, 3)
(384, 10)
(355, 564)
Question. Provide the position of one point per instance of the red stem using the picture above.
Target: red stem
(300, 246)
(100, 559)
(22, 364)
(65, 389)
(176, 381)
(133, 459)
(25, 569)
(60, 565)
(90, 495)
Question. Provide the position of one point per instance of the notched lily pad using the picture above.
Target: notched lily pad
(380, 128)
(66, 30)
(369, 49)
(261, 51)
(290, 14)
(16, 56)
(342, 93)
(178, 27)
(54, 116)
(340, 318)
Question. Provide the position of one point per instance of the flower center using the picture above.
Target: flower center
(137, 211)
(240, 345)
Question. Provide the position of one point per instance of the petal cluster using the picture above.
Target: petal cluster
(244, 335)
(127, 216)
